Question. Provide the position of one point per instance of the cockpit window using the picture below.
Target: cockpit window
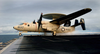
(21, 24)
(28, 25)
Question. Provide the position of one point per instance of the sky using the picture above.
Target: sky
(14, 12)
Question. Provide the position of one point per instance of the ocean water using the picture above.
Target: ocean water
(5, 38)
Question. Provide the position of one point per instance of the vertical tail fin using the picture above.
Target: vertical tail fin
(82, 23)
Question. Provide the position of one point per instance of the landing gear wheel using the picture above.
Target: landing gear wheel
(20, 34)
(53, 34)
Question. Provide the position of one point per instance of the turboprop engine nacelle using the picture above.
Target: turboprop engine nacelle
(67, 24)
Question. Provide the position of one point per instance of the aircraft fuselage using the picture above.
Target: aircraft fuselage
(33, 27)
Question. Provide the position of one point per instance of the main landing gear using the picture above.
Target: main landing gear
(54, 33)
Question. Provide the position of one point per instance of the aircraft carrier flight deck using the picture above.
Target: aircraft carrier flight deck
(70, 44)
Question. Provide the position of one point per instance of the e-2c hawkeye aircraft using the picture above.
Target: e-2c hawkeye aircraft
(54, 25)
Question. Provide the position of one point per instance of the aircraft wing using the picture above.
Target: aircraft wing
(70, 16)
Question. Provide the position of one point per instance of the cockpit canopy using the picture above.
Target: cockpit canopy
(21, 24)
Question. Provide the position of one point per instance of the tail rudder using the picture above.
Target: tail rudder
(82, 23)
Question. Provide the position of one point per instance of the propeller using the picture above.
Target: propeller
(39, 21)
(34, 22)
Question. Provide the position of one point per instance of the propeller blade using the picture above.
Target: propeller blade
(34, 22)
(39, 21)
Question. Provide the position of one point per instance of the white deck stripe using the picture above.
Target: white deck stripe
(12, 48)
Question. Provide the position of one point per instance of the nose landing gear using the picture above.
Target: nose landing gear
(20, 34)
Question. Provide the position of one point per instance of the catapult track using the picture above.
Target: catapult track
(75, 44)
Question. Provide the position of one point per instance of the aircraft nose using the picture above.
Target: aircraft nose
(13, 27)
